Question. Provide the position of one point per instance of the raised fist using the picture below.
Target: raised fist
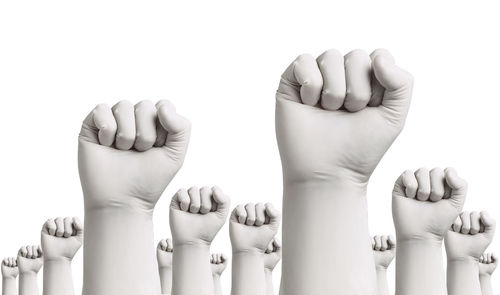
(30, 259)
(128, 154)
(253, 226)
(164, 253)
(337, 115)
(487, 264)
(272, 255)
(9, 267)
(425, 204)
(218, 262)
(383, 250)
(469, 236)
(196, 215)
(61, 238)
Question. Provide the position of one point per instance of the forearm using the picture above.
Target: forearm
(247, 275)
(463, 277)
(28, 284)
(9, 286)
(119, 253)
(419, 268)
(166, 280)
(269, 281)
(486, 288)
(57, 277)
(217, 285)
(382, 284)
(328, 221)
(192, 275)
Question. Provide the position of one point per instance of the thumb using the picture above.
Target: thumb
(458, 188)
(222, 200)
(178, 130)
(489, 224)
(274, 216)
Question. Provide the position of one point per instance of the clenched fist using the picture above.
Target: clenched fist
(164, 253)
(30, 259)
(272, 255)
(218, 262)
(9, 268)
(425, 204)
(383, 250)
(487, 264)
(337, 115)
(196, 215)
(128, 154)
(469, 236)
(253, 226)
(61, 238)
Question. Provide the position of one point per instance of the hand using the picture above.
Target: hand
(272, 255)
(218, 262)
(61, 238)
(9, 267)
(337, 116)
(127, 154)
(425, 204)
(383, 250)
(469, 236)
(197, 215)
(164, 253)
(30, 259)
(487, 264)
(252, 227)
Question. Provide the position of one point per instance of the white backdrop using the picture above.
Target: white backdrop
(220, 63)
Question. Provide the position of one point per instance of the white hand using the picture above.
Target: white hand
(425, 204)
(336, 116)
(30, 259)
(61, 238)
(469, 236)
(487, 264)
(196, 215)
(272, 255)
(383, 250)
(252, 227)
(9, 267)
(164, 253)
(128, 154)
(218, 262)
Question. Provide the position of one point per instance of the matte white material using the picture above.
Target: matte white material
(164, 256)
(383, 253)
(487, 265)
(9, 276)
(272, 256)
(29, 262)
(218, 263)
(335, 119)
(424, 205)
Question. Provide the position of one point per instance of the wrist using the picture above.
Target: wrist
(62, 260)
(8, 278)
(248, 252)
(419, 241)
(381, 268)
(463, 260)
(328, 185)
(28, 273)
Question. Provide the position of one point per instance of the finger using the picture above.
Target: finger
(223, 258)
(38, 251)
(183, 199)
(458, 188)
(77, 226)
(424, 184)
(475, 220)
(194, 197)
(377, 89)
(391, 242)
(104, 121)
(269, 248)
(68, 227)
(178, 130)
(372, 240)
(250, 208)
(162, 245)
(357, 75)
(206, 200)
(23, 251)
(30, 253)
(331, 65)
(489, 223)
(241, 214)
(410, 184)
(304, 73)
(223, 201)
(465, 216)
(125, 121)
(457, 225)
(145, 124)
(383, 243)
(277, 244)
(260, 215)
(50, 227)
(274, 216)
(170, 245)
(437, 180)
(60, 226)
(378, 243)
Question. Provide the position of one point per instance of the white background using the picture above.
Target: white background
(220, 63)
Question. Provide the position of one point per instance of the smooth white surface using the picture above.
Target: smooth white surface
(219, 62)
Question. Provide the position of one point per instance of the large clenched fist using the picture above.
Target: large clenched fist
(218, 263)
(487, 264)
(61, 238)
(337, 115)
(128, 154)
(30, 259)
(383, 250)
(164, 253)
(469, 236)
(196, 215)
(9, 268)
(425, 204)
(272, 255)
(253, 226)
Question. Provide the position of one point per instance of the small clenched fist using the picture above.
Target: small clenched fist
(487, 264)
(218, 263)
(9, 267)
(272, 255)
(469, 236)
(253, 226)
(30, 259)
(164, 253)
(62, 238)
(197, 215)
(425, 203)
(383, 250)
